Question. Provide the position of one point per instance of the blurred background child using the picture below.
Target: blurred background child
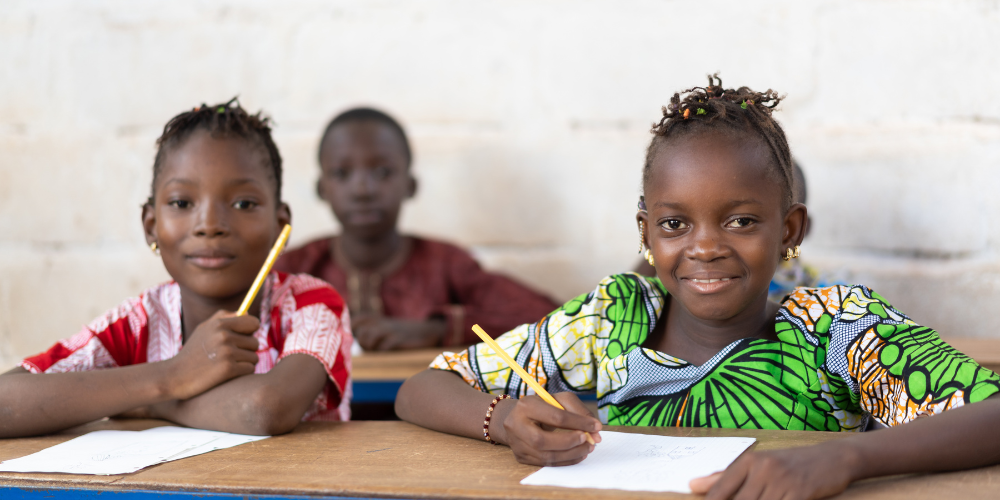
(403, 291)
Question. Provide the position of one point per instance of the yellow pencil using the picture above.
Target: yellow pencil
(264, 271)
(528, 379)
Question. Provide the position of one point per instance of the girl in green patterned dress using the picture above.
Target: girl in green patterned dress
(701, 345)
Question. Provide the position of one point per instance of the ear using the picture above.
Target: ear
(411, 188)
(284, 215)
(149, 222)
(643, 217)
(796, 225)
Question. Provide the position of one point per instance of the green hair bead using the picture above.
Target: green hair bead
(700, 111)
(744, 105)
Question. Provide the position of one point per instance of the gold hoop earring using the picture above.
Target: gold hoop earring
(796, 253)
(642, 233)
(155, 248)
(649, 258)
(788, 254)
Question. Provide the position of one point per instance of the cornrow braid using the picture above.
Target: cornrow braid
(228, 120)
(714, 107)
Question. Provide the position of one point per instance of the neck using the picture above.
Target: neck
(196, 309)
(696, 340)
(370, 253)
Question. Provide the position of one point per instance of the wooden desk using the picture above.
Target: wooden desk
(397, 459)
(393, 365)
(378, 376)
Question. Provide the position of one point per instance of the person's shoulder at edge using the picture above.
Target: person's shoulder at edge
(853, 298)
(306, 290)
(131, 315)
(304, 258)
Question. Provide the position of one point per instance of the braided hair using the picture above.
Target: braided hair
(222, 121)
(373, 115)
(740, 111)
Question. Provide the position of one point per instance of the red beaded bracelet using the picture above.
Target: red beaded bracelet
(489, 415)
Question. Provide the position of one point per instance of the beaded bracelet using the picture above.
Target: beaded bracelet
(489, 415)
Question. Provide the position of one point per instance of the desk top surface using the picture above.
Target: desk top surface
(397, 459)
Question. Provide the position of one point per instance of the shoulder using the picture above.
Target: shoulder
(620, 289)
(302, 290)
(165, 297)
(821, 306)
(432, 247)
(632, 283)
(304, 258)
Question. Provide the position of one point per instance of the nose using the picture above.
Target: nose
(363, 184)
(211, 221)
(707, 244)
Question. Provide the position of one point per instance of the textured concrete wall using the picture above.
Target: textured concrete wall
(529, 121)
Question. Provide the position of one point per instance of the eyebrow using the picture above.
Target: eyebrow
(731, 204)
(234, 182)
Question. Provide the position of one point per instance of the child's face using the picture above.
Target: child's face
(215, 215)
(714, 213)
(365, 177)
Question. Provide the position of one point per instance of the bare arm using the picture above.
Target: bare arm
(32, 404)
(962, 438)
(264, 404)
(220, 349)
(538, 433)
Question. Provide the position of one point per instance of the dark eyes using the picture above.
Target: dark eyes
(673, 225)
(244, 205)
(741, 222)
(238, 205)
(379, 173)
(679, 225)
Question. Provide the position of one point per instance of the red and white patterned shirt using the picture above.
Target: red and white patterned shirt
(299, 315)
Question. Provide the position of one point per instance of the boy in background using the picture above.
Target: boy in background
(403, 292)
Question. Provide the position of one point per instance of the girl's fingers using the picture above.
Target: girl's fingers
(701, 485)
(559, 440)
(729, 482)
(244, 325)
(573, 404)
(544, 413)
(564, 457)
(244, 342)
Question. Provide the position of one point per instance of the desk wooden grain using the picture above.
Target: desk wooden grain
(397, 459)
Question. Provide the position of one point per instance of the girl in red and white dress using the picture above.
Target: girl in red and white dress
(177, 351)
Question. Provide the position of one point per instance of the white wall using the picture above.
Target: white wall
(529, 121)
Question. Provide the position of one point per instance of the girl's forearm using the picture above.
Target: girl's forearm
(961, 438)
(442, 401)
(264, 404)
(32, 404)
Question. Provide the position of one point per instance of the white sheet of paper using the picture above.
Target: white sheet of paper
(122, 452)
(641, 462)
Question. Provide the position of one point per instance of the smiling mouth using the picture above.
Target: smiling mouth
(211, 261)
(709, 285)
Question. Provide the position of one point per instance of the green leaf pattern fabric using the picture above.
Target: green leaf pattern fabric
(843, 356)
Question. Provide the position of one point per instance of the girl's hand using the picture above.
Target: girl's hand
(220, 349)
(541, 434)
(804, 473)
(378, 333)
